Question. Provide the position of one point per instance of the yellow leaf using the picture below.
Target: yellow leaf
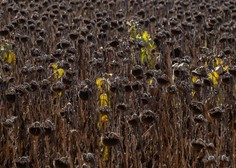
(58, 73)
(193, 93)
(128, 23)
(99, 125)
(105, 154)
(151, 45)
(205, 43)
(100, 143)
(219, 61)
(145, 36)
(104, 118)
(219, 100)
(149, 81)
(5, 55)
(11, 59)
(133, 33)
(137, 36)
(100, 81)
(54, 65)
(214, 76)
(2, 48)
(59, 94)
(194, 79)
(143, 55)
(103, 100)
(85, 12)
(225, 68)
(132, 56)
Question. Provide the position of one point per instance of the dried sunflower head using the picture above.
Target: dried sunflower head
(199, 119)
(89, 157)
(122, 107)
(85, 93)
(197, 107)
(35, 129)
(9, 123)
(216, 112)
(110, 139)
(61, 162)
(133, 120)
(198, 144)
(48, 127)
(147, 117)
(23, 162)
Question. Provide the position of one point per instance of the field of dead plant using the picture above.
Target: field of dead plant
(118, 83)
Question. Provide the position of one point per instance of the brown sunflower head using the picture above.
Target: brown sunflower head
(197, 107)
(147, 117)
(23, 162)
(48, 127)
(133, 120)
(110, 139)
(122, 107)
(35, 129)
(216, 112)
(198, 144)
(61, 162)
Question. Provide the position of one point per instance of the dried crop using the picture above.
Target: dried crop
(117, 83)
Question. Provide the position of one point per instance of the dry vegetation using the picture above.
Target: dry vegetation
(102, 83)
